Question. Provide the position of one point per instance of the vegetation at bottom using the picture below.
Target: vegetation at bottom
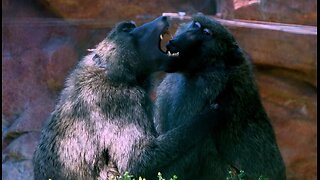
(241, 176)
(126, 176)
(231, 176)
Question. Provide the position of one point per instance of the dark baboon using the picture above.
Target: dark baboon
(103, 120)
(212, 69)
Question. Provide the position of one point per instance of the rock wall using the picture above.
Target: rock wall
(287, 11)
(43, 40)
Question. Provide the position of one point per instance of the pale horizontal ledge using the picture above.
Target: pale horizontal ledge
(291, 28)
(44, 22)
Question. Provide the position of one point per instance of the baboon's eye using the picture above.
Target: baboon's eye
(197, 24)
(207, 31)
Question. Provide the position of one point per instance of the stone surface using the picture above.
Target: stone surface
(23, 87)
(247, 9)
(123, 9)
(288, 11)
(60, 62)
(293, 52)
(17, 161)
(14, 152)
(17, 170)
(224, 9)
(292, 107)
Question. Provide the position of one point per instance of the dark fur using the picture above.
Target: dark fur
(102, 123)
(214, 69)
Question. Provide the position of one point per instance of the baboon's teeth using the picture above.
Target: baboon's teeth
(173, 54)
(161, 36)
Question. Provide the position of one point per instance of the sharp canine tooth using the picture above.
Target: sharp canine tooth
(173, 54)
(161, 37)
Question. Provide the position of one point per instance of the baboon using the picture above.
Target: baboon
(102, 124)
(213, 70)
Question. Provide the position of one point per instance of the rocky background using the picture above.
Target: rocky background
(42, 40)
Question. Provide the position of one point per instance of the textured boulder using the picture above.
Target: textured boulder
(292, 107)
(122, 9)
(290, 48)
(24, 84)
(59, 63)
(288, 11)
(17, 157)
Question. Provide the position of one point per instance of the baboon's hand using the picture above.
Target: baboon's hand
(213, 107)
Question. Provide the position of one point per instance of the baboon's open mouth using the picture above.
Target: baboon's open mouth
(164, 38)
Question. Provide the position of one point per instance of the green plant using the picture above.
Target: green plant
(263, 178)
(241, 176)
(233, 176)
(127, 176)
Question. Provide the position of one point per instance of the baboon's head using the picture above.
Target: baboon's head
(201, 43)
(138, 48)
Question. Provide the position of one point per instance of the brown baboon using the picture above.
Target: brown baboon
(103, 120)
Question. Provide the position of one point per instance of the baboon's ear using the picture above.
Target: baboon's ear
(126, 26)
